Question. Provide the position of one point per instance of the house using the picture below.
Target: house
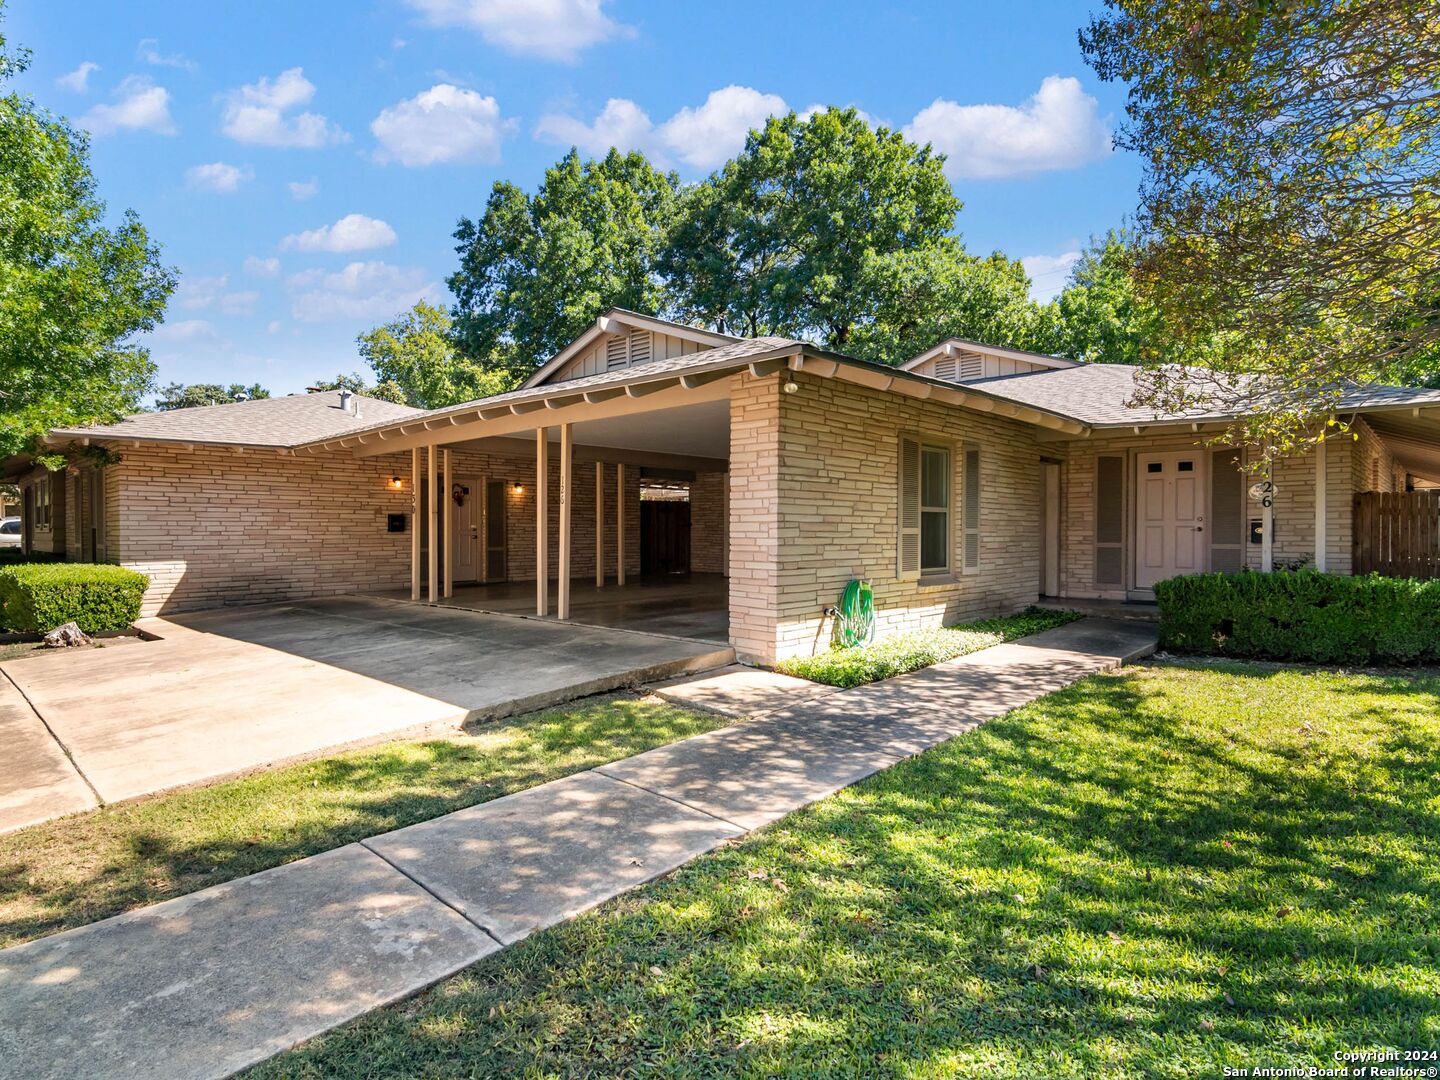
(648, 456)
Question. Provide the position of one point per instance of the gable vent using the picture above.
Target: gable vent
(972, 366)
(614, 353)
(639, 346)
(946, 368)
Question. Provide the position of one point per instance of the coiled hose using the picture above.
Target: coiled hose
(855, 618)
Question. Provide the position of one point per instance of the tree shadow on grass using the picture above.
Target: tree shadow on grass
(1105, 883)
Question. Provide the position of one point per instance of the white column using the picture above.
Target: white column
(567, 493)
(599, 524)
(415, 524)
(619, 524)
(542, 524)
(447, 530)
(1267, 532)
(1320, 505)
(432, 460)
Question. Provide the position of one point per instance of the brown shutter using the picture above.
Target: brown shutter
(908, 541)
(1110, 520)
(972, 510)
(1227, 512)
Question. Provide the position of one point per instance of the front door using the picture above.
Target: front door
(465, 529)
(1170, 513)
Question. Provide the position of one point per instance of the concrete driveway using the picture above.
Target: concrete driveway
(230, 691)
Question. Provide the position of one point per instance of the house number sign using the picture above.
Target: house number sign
(1263, 493)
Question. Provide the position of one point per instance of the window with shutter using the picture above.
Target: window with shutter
(1110, 520)
(908, 539)
(972, 510)
(935, 535)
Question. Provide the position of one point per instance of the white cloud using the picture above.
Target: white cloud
(79, 79)
(218, 177)
(184, 330)
(1060, 127)
(362, 290)
(239, 303)
(262, 112)
(1048, 273)
(139, 105)
(300, 190)
(702, 137)
(445, 123)
(553, 29)
(204, 293)
(263, 268)
(273, 327)
(149, 51)
(353, 232)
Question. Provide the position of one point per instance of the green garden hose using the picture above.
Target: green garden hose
(855, 618)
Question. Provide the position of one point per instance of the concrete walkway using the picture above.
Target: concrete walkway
(209, 983)
(224, 692)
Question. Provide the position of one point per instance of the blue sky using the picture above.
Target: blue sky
(303, 164)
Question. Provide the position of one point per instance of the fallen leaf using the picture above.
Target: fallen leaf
(759, 873)
(779, 885)
(655, 970)
(1208, 1025)
(1284, 911)
(1229, 1000)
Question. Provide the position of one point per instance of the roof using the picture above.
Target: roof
(1097, 394)
(966, 345)
(612, 321)
(279, 422)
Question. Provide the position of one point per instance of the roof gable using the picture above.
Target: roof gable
(621, 339)
(960, 360)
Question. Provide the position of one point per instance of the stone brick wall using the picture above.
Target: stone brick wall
(814, 503)
(709, 522)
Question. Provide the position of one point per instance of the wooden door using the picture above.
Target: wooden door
(494, 529)
(665, 536)
(466, 502)
(1170, 516)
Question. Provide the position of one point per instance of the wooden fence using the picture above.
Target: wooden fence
(1397, 533)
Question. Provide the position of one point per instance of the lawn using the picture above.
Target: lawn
(915, 649)
(79, 869)
(1156, 873)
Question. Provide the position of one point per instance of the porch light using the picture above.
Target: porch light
(791, 386)
(395, 483)
(518, 488)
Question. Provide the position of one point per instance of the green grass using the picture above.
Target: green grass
(1149, 874)
(78, 869)
(915, 649)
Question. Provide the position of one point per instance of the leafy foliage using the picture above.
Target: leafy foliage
(1289, 226)
(73, 291)
(1304, 616)
(1098, 317)
(916, 649)
(193, 395)
(416, 353)
(357, 384)
(535, 271)
(37, 597)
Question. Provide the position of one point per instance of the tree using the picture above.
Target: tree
(920, 298)
(73, 292)
(782, 238)
(356, 384)
(1289, 223)
(1097, 317)
(416, 353)
(183, 396)
(536, 270)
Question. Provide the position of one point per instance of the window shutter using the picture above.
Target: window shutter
(972, 510)
(908, 542)
(1110, 520)
(1227, 512)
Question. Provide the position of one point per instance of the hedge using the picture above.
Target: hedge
(37, 597)
(1304, 615)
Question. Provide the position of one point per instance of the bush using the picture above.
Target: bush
(37, 597)
(1306, 616)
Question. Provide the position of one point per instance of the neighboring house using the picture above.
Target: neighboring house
(968, 482)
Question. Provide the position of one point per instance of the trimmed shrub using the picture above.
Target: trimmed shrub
(1305, 616)
(37, 597)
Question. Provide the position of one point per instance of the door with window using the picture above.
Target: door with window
(1170, 516)
(465, 528)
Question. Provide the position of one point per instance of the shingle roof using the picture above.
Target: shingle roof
(1097, 394)
(279, 422)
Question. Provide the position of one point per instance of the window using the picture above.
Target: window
(926, 533)
(42, 503)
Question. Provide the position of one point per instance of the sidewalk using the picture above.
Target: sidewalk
(206, 984)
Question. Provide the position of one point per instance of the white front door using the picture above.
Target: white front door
(1170, 512)
(467, 498)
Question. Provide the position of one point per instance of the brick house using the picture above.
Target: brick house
(647, 454)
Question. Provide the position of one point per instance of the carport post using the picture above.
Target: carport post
(619, 523)
(567, 456)
(415, 523)
(449, 555)
(599, 524)
(542, 522)
(431, 461)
